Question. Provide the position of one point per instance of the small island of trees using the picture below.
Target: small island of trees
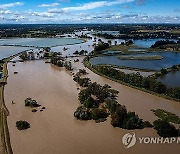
(30, 102)
(98, 102)
(22, 125)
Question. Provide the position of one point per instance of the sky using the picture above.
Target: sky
(89, 11)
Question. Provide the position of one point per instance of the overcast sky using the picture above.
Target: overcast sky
(89, 11)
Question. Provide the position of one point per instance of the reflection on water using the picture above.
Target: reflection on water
(171, 79)
(147, 43)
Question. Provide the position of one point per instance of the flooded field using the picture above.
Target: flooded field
(55, 130)
(169, 59)
(171, 80)
(40, 42)
(7, 51)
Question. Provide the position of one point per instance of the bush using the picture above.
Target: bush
(123, 119)
(164, 71)
(133, 122)
(76, 52)
(147, 124)
(21, 125)
(165, 129)
(30, 102)
(90, 103)
(84, 82)
(100, 47)
(84, 95)
(99, 114)
(82, 113)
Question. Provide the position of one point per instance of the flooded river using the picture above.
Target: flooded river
(55, 130)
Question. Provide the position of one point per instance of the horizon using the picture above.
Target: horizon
(90, 12)
(90, 24)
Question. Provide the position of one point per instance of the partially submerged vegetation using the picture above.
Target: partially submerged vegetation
(98, 102)
(60, 62)
(120, 117)
(81, 53)
(135, 80)
(166, 44)
(165, 115)
(31, 103)
(27, 56)
(148, 84)
(165, 129)
(22, 125)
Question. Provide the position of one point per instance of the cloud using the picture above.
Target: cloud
(64, 1)
(6, 12)
(8, 5)
(55, 10)
(97, 4)
(49, 5)
(126, 7)
(177, 10)
(41, 14)
(141, 2)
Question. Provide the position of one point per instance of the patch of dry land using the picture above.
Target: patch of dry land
(55, 130)
(154, 57)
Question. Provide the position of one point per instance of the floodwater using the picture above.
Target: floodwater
(169, 59)
(145, 43)
(171, 80)
(55, 130)
(40, 42)
(7, 51)
(135, 100)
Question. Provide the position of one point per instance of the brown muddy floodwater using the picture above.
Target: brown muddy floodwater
(55, 130)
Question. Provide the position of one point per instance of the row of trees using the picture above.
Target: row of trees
(139, 81)
(161, 43)
(136, 80)
(82, 52)
(27, 56)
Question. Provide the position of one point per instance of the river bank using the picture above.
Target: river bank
(4, 112)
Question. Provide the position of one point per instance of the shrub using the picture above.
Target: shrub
(21, 125)
(30, 102)
(90, 103)
(165, 129)
(82, 113)
(147, 124)
(164, 71)
(99, 114)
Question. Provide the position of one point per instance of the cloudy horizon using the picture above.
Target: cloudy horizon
(89, 11)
